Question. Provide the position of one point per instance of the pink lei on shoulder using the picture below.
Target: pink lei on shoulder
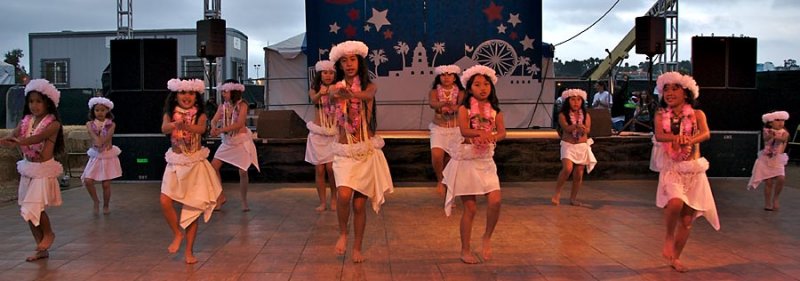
(687, 126)
(348, 112)
(481, 118)
(576, 117)
(187, 141)
(27, 130)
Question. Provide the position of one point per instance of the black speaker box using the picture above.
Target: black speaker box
(650, 35)
(724, 61)
(138, 64)
(281, 124)
(138, 112)
(142, 156)
(601, 122)
(730, 109)
(211, 38)
(731, 153)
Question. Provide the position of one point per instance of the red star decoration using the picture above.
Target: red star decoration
(388, 34)
(493, 12)
(350, 31)
(513, 35)
(353, 14)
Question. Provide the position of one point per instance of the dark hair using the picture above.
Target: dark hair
(438, 81)
(565, 108)
(316, 84)
(172, 101)
(602, 84)
(51, 109)
(235, 95)
(109, 115)
(363, 73)
(686, 93)
(492, 95)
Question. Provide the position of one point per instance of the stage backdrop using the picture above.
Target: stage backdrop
(408, 39)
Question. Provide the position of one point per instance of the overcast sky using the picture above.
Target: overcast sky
(773, 22)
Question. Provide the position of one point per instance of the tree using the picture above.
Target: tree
(377, 57)
(438, 48)
(402, 49)
(13, 57)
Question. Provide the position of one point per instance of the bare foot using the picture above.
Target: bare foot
(245, 209)
(776, 205)
(47, 241)
(333, 205)
(678, 266)
(176, 244)
(440, 189)
(190, 259)
(38, 255)
(667, 252)
(487, 249)
(555, 200)
(106, 210)
(469, 258)
(341, 245)
(320, 208)
(577, 203)
(96, 208)
(357, 257)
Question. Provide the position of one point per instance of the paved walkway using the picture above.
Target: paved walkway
(283, 238)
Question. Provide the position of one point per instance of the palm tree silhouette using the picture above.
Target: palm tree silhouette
(438, 48)
(377, 57)
(402, 49)
(524, 61)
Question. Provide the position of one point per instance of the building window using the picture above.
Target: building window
(56, 71)
(238, 67)
(192, 68)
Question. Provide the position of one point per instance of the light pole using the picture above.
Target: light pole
(258, 67)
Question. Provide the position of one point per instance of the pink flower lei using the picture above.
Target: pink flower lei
(771, 147)
(576, 117)
(230, 114)
(348, 112)
(687, 125)
(448, 97)
(33, 151)
(103, 130)
(481, 117)
(183, 138)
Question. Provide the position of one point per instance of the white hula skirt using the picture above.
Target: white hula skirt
(363, 167)
(445, 138)
(657, 156)
(319, 144)
(767, 167)
(238, 150)
(471, 171)
(38, 188)
(192, 181)
(102, 165)
(579, 153)
(687, 181)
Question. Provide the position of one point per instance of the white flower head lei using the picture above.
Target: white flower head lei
(190, 85)
(101, 100)
(45, 88)
(573, 93)
(324, 65)
(777, 115)
(452, 69)
(478, 69)
(230, 86)
(685, 81)
(347, 48)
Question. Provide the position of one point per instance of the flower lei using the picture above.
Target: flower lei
(687, 124)
(448, 97)
(183, 138)
(33, 151)
(576, 117)
(481, 117)
(230, 114)
(771, 147)
(327, 111)
(348, 112)
(103, 129)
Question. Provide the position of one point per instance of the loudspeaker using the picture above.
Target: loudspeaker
(724, 61)
(601, 122)
(138, 112)
(142, 156)
(211, 38)
(731, 153)
(147, 64)
(281, 124)
(731, 109)
(650, 35)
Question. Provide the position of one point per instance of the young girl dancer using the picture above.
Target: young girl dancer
(188, 177)
(771, 163)
(237, 146)
(322, 132)
(359, 166)
(576, 146)
(103, 162)
(446, 95)
(39, 136)
(683, 188)
(472, 170)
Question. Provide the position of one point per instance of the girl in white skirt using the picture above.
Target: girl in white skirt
(103, 162)
(576, 146)
(39, 136)
(472, 170)
(359, 165)
(770, 165)
(322, 132)
(683, 188)
(237, 146)
(445, 97)
(188, 178)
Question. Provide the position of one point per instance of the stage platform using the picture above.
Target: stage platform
(284, 239)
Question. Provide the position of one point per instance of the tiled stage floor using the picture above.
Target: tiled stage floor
(283, 238)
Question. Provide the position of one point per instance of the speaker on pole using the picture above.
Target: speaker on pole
(211, 38)
(650, 35)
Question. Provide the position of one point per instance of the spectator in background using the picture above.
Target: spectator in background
(15, 102)
(602, 99)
